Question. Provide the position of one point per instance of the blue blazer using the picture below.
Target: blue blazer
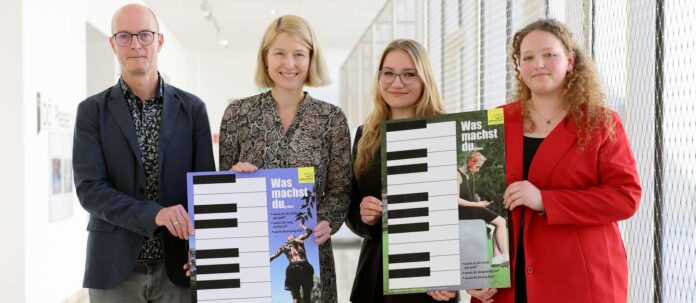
(110, 180)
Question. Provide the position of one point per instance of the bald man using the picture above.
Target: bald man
(133, 144)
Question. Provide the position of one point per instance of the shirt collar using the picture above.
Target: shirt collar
(130, 95)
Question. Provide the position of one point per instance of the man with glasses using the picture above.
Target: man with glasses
(133, 144)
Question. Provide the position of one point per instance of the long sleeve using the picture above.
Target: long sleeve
(614, 197)
(96, 194)
(229, 138)
(353, 220)
(334, 205)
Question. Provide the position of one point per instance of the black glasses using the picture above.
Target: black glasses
(144, 37)
(389, 76)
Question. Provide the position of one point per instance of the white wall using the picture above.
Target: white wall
(12, 283)
(228, 74)
(54, 64)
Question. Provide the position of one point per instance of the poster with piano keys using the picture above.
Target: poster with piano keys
(253, 239)
(444, 223)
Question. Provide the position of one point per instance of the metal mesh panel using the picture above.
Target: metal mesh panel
(679, 152)
(643, 50)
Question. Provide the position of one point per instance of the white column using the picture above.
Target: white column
(12, 284)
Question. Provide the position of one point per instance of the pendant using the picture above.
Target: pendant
(548, 122)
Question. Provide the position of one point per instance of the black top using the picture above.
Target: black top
(529, 149)
(367, 286)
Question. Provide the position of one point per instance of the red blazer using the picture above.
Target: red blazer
(574, 253)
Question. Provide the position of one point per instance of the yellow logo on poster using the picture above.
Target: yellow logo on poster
(495, 116)
(305, 175)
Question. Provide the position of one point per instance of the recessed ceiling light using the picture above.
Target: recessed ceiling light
(273, 12)
(223, 42)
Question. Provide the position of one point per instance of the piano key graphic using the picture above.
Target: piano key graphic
(230, 222)
(421, 209)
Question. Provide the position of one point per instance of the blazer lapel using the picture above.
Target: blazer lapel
(514, 133)
(119, 109)
(172, 105)
(551, 151)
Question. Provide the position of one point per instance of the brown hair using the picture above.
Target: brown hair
(582, 94)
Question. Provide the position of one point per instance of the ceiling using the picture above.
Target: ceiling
(339, 23)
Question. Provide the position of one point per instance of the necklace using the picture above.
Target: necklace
(548, 120)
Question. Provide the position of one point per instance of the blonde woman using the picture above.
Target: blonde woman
(403, 87)
(286, 127)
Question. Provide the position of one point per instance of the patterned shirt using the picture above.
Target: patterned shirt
(147, 119)
(251, 131)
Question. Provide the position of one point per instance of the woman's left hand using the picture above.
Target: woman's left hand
(523, 193)
(442, 295)
(322, 232)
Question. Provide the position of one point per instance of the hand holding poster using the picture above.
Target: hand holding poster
(444, 225)
(244, 224)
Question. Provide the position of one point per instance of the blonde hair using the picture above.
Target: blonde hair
(302, 31)
(429, 104)
(582, 94)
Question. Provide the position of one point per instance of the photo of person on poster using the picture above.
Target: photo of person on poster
(471, 207)
(299, 273)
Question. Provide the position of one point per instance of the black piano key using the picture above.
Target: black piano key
(407, 228)
(217, 269)
(407, 213)
(413, 257)
(218, 284)
(213, 179)
(407, 169)
(397, 126)
(409, 272)
(216, 223)
(215, 208)
(406, 198)
(217, 253)
(407, 154)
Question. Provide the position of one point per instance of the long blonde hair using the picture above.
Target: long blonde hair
(429, 104)
(582, 94)
(301, 30)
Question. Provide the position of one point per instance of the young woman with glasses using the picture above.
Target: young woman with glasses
(403, 87)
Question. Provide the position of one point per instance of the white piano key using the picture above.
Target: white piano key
(243, 185)
(439, 188)
(448, 128)
(440, 158)
(434, 219)
(253, 214)
(435, 233)
(434, 174)
(250, 290)
(444, 263)
(254, 229)
(211, 216)
(435, 203)
(245, 274)
(435, 248)
(244, 244)
(244, 259)
(436, 263)
(241, 199)
(434, 144)
(407, 265)
(438, 278)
